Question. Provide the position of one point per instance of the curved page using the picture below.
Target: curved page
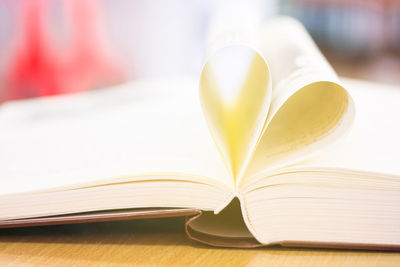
(372, 146)
(309, 110)
(235, 84)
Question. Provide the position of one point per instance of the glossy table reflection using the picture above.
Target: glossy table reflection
(156, 242)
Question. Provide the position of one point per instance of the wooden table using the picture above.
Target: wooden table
(156, 242)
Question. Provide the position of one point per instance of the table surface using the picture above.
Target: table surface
(157, 242)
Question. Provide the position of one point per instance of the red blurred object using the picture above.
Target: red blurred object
(39, 66)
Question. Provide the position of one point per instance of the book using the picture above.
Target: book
(266, 147)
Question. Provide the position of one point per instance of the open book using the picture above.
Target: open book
(260, 150)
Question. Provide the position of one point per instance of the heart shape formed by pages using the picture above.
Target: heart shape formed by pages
(235, 93)
(251, 130)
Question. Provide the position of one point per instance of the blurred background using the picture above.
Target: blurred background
(52, 47)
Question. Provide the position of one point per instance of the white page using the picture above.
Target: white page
(295, 60)
(235, 84)
(309, 110)
(131, 130)
(373, 144)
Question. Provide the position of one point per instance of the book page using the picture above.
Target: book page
(348, 193)
(235, 85)
(132, 131)
(372, 146)
(309, 108)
